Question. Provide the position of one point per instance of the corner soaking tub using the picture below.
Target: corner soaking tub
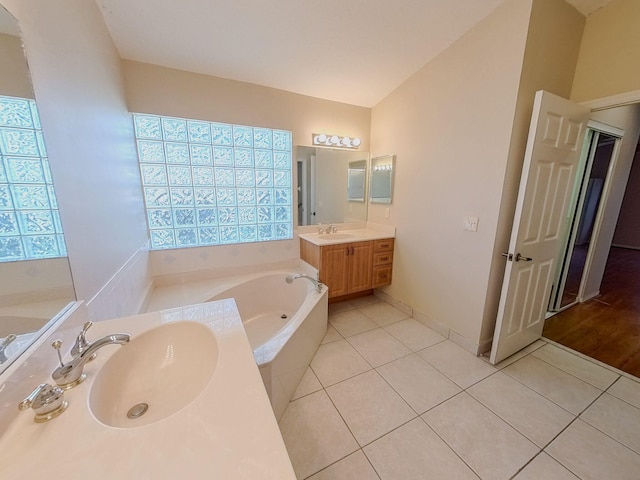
(285, 323)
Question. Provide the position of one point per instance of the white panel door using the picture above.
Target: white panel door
(550, 165)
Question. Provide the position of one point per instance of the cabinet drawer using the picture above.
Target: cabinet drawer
(385, 245)
(382, 258)
(382, 275)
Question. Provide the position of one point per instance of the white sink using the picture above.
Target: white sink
(155, 375)
(336, 236)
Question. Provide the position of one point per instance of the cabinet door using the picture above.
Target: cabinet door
(335, 270)
(361, 262)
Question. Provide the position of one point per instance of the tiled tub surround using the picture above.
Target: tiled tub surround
(228, 430)
(282, 347)
(388, 398)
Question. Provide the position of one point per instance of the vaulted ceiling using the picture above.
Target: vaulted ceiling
(351, 51)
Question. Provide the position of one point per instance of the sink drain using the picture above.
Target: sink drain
(283, 316)
(138, 410)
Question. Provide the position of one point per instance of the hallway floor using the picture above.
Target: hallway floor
(388, 398)
(607, 327)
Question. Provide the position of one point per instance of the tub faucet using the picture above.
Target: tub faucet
(71, 374)
(3, 346)
(315, 281)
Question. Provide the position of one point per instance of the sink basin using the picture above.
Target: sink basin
(336, 236)
(155, 375)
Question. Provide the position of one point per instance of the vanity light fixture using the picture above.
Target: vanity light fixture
(336, 141)
(383, 168)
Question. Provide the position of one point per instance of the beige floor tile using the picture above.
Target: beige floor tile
(422, 386)
(537, 418)
(491, 447)
(339, 307)
(337, 361)
(577, 366)
(592, 455)
(369, 406)
(627, 390)
(414, 452)
(563, 389)
(364, 301)
(382, 313)
(617, 419)
(455, 362)
(378, 347)
(331, 336)
(315, 434)
(351, 322)
(518, 355)
(543, 467)
(414, 334)
(307, 385)
(354, 467)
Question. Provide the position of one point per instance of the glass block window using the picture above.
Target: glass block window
(210, 183)
(30, 225)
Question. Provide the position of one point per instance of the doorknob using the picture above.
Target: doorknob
(520, 258)
(508, 256)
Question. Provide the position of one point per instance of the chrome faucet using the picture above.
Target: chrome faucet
(328, 229)
(3, 346)
(71, 374)
(315, 281)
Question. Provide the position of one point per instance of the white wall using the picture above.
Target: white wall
(78, 85)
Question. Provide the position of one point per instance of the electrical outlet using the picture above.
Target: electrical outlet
(470, 224)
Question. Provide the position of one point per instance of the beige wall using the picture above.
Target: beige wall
(165, 91)
(450, 128)
(14, 81)
(627, 232)
(608, 62)
(459, 129)
(553, 42)
(628, 119)
(77, 81)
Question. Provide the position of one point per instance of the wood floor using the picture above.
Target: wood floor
(606, 328)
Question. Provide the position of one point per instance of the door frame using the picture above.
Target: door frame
(606, 190)
(594, 129)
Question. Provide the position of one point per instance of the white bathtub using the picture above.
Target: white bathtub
(285, 324)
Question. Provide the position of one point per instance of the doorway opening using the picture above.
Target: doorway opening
(607, 327)
(588, 195)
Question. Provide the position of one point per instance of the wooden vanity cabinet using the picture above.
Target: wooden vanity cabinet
(350, 268)
(382, 262)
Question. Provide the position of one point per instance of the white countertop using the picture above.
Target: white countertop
(348, 236)
(227, 432)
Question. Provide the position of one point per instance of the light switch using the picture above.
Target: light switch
(470, 224)
(387, 212)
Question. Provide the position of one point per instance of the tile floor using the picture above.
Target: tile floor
(388, 398)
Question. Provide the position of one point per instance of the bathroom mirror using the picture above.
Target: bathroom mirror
(324, 180)
(356, 181)
(381, 188)
(34, 291)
